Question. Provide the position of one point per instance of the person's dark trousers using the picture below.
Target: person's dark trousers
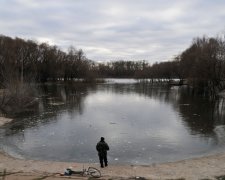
(103, 159)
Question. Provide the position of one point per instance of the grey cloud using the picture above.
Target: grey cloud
(109, 30)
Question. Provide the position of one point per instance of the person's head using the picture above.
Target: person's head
(102, 139)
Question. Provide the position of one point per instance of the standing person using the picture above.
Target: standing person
(102, 148)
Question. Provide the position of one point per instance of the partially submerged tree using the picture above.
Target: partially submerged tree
(203, 64)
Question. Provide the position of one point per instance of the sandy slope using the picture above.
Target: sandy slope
(199, 168)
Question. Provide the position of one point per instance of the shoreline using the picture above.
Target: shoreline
(207, 167)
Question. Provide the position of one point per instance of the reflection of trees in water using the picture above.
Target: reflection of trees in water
(200, 114)
(219, 134)
(54, 99)
(142, 89)
(196, 112)
(66, 97)
(219, 116)
(219, 111)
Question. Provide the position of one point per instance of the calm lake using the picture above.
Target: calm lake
(143, 124)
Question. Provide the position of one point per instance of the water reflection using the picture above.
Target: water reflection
(53, 99)
(142, 123)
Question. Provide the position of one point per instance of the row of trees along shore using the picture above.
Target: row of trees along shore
(202, 64)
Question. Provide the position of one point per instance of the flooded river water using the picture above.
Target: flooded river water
(143, 124)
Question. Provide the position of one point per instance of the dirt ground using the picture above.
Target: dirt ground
(210, 167)
(199, 168)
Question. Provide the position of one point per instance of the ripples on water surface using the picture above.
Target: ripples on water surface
(142, 124)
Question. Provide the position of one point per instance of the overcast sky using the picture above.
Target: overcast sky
(154, 30)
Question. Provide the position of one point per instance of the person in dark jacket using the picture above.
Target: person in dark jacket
(102, 148)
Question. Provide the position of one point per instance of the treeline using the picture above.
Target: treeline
(26, 60)
(137, 69)
(202, 64)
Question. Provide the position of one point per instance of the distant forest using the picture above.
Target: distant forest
(202, 64)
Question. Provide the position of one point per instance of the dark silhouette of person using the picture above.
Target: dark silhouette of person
(102, 148)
